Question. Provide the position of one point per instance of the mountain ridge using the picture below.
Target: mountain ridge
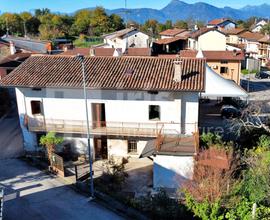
(180, 10)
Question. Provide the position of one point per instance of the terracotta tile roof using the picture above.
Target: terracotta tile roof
(139, 52)
(265, 39)
(172, 32)
(214, 55)
(120, 33)
(234, 31)
(218, 21)
(170, 40)
(145, 73)
(202, 31)
(251, 36)
(14, 60)
(240, 46)
(99, 51)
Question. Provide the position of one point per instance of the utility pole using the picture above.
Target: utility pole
(24, 27)
(81, 59)
(7, 27)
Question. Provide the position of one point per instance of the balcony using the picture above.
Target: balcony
(149, 129)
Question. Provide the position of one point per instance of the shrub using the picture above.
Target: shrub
(209, 139)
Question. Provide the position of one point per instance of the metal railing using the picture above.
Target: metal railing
(147, 129)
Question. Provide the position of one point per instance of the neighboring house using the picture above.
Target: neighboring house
(30, 45)
(256, 28)
(233, 35)
(170, 45)
(138, 107)
(172, 33)
(225, 63)
(251, 42)
(207, 39)
(264, 49)
(221, 24)
(9, 63)
(116, 52)
(129, 37)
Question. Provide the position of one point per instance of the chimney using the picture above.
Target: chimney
(65, 48)
(177, 70)
(196, 27)
(92, 52)
(12, 48)
(117, 52)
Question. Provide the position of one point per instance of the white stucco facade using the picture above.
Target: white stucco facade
(211, 40)
(172, 171)
(122, 108)
(135, 39)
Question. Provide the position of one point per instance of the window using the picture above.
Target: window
(223, 70)
(132, 146)
(36, 107)
(154, 112)
(224, 61)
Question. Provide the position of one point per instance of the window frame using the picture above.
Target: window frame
(132, 147)
(158, 111)
(225, 68)
(34, 108)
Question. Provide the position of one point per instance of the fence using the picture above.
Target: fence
(82, 171)
(58, 164)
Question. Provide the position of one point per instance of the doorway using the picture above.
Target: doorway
(98, 115)
(101, 149)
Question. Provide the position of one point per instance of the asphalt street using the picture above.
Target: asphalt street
(30, 194)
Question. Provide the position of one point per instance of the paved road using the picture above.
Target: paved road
(11, 141)
(33, 195)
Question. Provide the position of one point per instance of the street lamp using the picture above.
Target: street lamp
(81, 59)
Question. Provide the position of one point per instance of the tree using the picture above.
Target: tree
(50, 141)
(151, 26)
(41, 12)
(181, 24)
(14, 23)
(266, 29)
(116, 22)
(100, 22)
(82, 21)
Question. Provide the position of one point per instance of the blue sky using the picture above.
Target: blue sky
(72, 5)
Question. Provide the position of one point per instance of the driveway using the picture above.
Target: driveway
(11, 141)
(31, 194)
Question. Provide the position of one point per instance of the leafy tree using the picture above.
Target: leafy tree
(116, 22)
(82, 22)
(41, 12)
(100, 22)
(50, 141)
(181, 24)
(151, 26)
(168, 24)
(13, 21)
(266, 29)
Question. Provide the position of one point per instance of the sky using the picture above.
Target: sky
(73, 5)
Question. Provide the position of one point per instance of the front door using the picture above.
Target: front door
(98, 115)
(100, 144)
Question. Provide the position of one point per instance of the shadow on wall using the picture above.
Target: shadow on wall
(169, 178)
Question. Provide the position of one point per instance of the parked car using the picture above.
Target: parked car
(262, 75)
(229, 111)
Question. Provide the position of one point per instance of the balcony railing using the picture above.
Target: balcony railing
(149, 129)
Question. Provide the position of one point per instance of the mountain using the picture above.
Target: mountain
(177, 9)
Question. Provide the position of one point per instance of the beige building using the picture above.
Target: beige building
(233, 35)
(264, 49)
(225, 63)
(209, 39)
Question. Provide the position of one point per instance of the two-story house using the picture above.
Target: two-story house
(225, 63)
(221, 24)
(138, 106)
(257, 27)
(207, 39)
(233, 35)
(126, 38)
(171, 33)
(264, 49)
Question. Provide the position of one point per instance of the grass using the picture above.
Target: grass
(246, 72)
(86, 43)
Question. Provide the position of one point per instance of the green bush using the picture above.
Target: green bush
(209, 139)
